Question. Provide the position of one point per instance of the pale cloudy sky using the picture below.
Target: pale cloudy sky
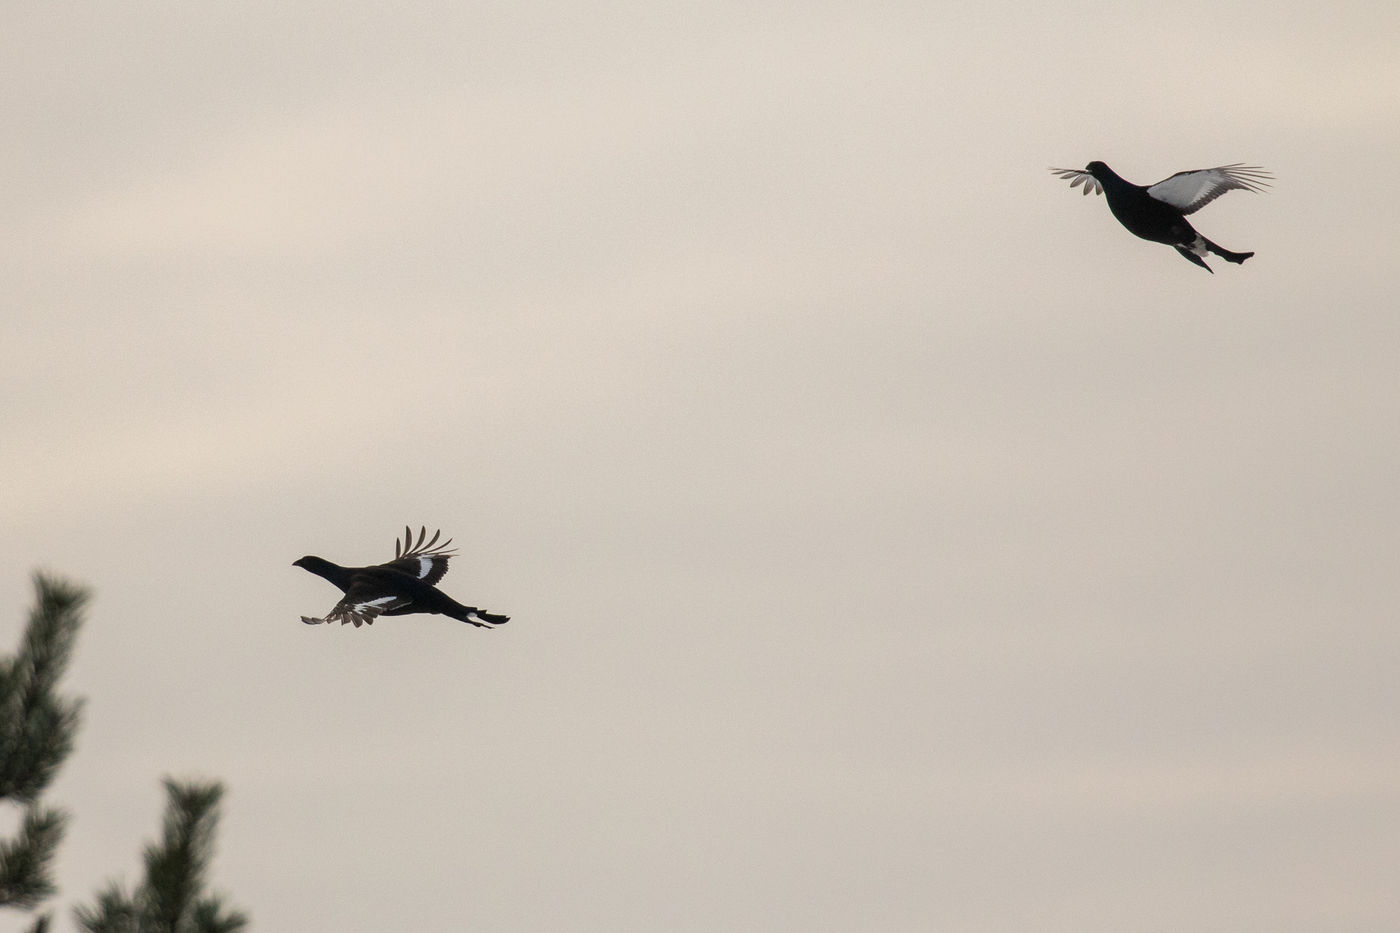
(893, 542)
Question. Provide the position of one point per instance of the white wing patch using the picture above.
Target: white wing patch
(366, 610)
(362, 612)
(423, 558)
(1190, 191)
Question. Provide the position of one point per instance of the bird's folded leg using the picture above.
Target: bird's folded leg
(1186, 252)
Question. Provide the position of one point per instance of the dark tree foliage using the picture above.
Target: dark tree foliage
(24, 860)
(114, 912)
(37, 728)
(172, 898)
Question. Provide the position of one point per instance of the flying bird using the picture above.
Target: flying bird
(402, 586)
(1158, 212)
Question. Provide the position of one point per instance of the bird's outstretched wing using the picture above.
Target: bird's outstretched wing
(424, 561)
(1077, 176)
(358, 608)
(1190, 191)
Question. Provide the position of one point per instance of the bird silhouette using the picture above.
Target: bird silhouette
(402, 586)
(1158, 212)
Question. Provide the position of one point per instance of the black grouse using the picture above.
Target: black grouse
(402, 586)
(1158, 212)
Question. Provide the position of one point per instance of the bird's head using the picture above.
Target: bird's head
(1098, 169)
(322, 568)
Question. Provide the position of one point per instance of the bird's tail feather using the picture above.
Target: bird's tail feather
(478, 617)
(1225, 254)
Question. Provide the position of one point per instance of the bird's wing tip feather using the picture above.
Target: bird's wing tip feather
(422, 547)
(1077, 177)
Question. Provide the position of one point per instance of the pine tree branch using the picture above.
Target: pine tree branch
(25, 860)
(176, 866)
(209, 917)
(53, 628)
(37, 725)
(172, 898)
(114, 912)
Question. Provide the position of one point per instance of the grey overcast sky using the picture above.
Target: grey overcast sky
(893, 542)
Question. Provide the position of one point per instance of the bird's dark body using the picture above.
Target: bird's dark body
(1158, 212)
(425, 598)
(1145, 216)
(392, 589)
